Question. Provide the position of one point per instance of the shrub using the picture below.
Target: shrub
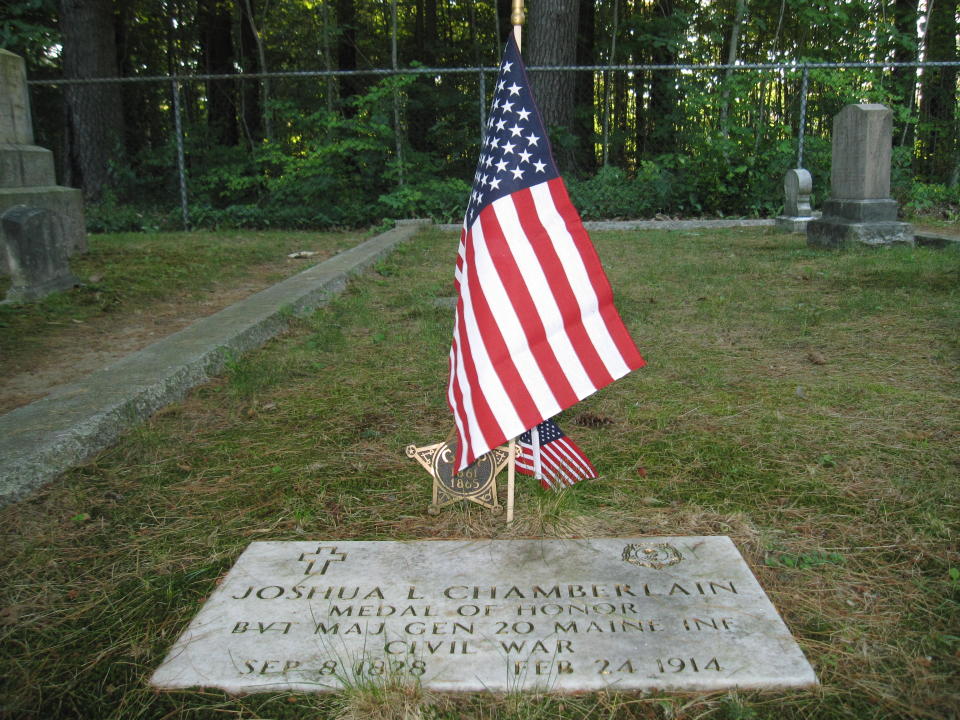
(927, 200)
(612, 194)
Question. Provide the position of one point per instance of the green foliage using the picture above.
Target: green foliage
(28, 28)
(925, 200)
(111, 216)
(612, 194)
(441, 200)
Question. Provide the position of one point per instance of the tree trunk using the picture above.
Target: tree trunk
(504, 27)
(732, 47)
(94, 113)
(262, 64)
(904, 45)
(938, 127)
(251, 111)
(347, 48)
(551, 39)
(664, 102)
(608, 80)
(586, 161)
(216, 46)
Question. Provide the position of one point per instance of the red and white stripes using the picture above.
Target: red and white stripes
(536, 329)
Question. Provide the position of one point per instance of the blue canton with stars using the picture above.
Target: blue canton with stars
(515, 153)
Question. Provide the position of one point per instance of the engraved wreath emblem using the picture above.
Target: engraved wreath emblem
(656, 555)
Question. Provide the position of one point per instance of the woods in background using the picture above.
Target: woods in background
(633, 141)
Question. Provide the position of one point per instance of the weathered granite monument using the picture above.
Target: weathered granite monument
(860, 209)
(797, 186)
(565, 615)
(36, 251)
(26, 170)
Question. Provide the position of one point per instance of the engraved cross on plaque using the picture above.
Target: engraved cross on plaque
(315, 557)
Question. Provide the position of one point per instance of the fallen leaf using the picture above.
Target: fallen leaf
(10, 615)
(591, 420)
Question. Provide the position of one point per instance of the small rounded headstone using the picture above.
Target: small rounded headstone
(797, 186)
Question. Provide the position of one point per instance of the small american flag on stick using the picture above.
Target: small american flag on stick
(536, 330)
(562, 463)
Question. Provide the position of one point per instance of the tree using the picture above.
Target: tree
(669, 27)
(216, 45)
(585, 158)
(939, 128)
(347, 47)
(903, 39)
(733, 45)
(94, 112)
(552, 40)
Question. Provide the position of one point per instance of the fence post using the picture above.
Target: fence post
(483, 106)
(397, 129)
(181, 163)
(803, 114)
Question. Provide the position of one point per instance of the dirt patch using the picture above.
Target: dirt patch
(76, 350)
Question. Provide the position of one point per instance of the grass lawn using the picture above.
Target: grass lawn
(128, 272)
(803, 402)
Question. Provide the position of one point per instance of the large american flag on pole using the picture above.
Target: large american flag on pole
(536, 330)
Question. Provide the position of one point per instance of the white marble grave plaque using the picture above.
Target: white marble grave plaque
(667, 613)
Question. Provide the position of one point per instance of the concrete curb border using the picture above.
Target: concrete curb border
(40, 441)
(595, 225)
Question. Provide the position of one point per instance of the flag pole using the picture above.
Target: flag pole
(511, 476)
(517, 18)
(535, 445)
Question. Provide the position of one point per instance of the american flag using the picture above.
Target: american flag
(562, 463)
(535, 330)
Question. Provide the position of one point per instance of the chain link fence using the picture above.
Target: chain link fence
(709, 86)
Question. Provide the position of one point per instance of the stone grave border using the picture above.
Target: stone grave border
(41, 440)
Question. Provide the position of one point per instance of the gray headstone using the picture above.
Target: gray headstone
(26, 171)
(860, 208)
(16, 127)
(862, 142)
(797, 187)
(633, 614)
(36, 251)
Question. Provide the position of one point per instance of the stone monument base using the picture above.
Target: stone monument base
(791, 224)
(66, 203)
(36, 251)
(867, 222)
